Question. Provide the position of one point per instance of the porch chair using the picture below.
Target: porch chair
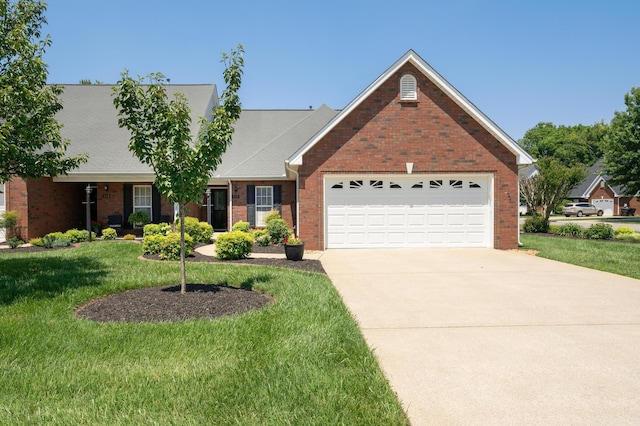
(115, 222)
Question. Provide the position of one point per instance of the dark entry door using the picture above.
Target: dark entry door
(219, 211)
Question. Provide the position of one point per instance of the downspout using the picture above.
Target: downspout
(518, 215)
(297, 224)
(230, 215)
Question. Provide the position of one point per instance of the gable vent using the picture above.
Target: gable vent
(408, 88)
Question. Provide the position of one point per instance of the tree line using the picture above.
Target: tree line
(564, 153)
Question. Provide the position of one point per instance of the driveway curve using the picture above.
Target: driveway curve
(481, 336)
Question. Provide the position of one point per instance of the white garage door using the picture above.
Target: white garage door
(408, 211)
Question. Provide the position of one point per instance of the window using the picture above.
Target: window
(408, 88)
(264, 203)
(2, 202)
(142, 199)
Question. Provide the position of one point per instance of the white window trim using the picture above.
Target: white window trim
(408, 88)
(149, 207)
(263, 209)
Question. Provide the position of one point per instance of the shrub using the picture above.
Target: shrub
(241, 226)
(170, 246)
(599, 231)
(554, 229)
(272, 215)
(109, 234)
(278, 229)
(62, 242)
(571, 230)
(234, 245)
(157, 229)
(129, 237)
(201, 232)
(206, 233)
(536, 223)
(14, 242)
(36, 242)
(151, 229)
(630, 238)
(622, 231)
(77, 235)
(262, 237)
(151, 243)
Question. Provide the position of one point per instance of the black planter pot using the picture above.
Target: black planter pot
(294, 251)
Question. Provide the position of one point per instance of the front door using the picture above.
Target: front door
(219, 213)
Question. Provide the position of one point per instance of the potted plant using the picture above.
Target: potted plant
(293, 248)
(139, 219)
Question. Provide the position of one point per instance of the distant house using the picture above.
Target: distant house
(410, 162)
(595, 189)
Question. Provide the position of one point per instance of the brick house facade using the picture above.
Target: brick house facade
(455, 152)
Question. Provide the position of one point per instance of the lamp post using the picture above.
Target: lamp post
(88, 205)
(208, 192)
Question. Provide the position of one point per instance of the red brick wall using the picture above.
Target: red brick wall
(382, 134)
(16, 200)
(45, 206)
(239, 199)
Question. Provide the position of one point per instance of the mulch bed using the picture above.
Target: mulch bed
(162, 304)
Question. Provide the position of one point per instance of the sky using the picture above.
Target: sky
(520, 62)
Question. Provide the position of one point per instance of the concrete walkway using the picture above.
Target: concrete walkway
(479, 336)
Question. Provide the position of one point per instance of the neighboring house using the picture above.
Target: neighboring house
(410, 162)
(595, 189)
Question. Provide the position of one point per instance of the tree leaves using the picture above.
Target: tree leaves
(30, 141)
(622, 159)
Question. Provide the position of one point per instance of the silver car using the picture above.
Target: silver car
(580, 209)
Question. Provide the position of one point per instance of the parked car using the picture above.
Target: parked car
(580, 209)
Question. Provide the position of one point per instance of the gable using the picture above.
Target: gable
(423, 72)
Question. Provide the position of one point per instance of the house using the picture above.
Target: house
(595, 189)
(410, 162)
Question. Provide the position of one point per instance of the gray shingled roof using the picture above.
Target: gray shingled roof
(91, 124)
(264, 139)
(594, 174)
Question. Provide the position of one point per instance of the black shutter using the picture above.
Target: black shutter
(251, 205)
(127, 192)
(156, 209)
(277, 198)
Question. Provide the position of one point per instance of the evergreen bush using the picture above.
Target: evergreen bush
(234, 245)
(536, 224)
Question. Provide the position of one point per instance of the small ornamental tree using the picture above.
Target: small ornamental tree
(160, 135)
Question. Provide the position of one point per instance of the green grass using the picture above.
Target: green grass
(299, 361)
(609, 256)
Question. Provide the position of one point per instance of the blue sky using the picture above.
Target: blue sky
(521, 62)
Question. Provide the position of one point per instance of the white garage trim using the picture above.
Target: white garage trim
(439, 210)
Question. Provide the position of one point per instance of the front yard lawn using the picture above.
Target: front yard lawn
(299, 360)
(609, 256)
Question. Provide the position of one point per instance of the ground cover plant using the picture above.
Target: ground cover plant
(298, 360)
(609, 256)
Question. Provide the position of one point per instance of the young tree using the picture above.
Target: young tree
(30, 141)
(622, 157)
(551, 185)
(160, 135)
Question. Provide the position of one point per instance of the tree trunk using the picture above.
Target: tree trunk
(183, 270)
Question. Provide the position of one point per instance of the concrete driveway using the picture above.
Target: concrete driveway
(480, 336)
